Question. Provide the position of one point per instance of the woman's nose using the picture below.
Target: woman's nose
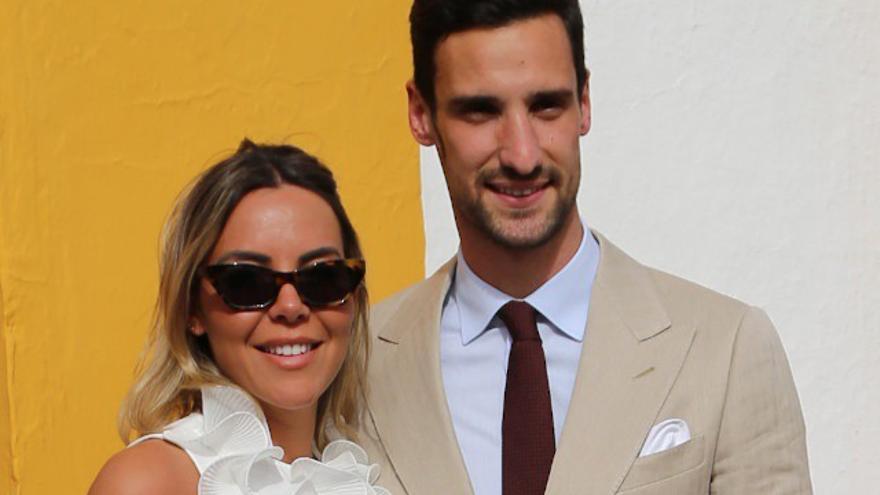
(288, 306)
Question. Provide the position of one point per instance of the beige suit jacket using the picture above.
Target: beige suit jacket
(656, 347)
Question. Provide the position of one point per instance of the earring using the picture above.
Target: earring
(191, 328)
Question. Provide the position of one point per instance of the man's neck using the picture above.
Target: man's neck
(519, 272)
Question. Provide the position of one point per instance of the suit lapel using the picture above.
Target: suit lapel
(407, 399)
(631, 357)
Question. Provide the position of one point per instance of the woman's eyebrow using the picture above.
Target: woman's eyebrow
(245, 256)
(318, 253)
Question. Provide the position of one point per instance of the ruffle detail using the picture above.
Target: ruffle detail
(342, 471)
(231, 446)
(231, 423)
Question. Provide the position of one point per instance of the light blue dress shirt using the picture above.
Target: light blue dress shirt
(474, 347)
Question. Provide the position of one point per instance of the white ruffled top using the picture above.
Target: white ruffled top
(230, 445)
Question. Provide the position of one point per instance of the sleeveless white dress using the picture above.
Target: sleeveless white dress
(230, 445)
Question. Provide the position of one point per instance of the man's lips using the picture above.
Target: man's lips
(518, 195)
(516, 190)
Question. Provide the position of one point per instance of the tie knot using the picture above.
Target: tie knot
(519, 316)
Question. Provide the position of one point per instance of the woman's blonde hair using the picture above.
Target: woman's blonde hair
(176, 363)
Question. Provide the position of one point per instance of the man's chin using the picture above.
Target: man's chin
(522, 233)
(517, 229)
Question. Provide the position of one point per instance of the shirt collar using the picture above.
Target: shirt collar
(563, 300)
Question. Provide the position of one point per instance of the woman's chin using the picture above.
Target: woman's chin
(278, 401)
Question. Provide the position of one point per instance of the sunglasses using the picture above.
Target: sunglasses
(320, 285)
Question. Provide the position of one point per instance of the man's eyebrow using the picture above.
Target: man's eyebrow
(557, 96)
(470, 103)
(320, 252)
(244, 256)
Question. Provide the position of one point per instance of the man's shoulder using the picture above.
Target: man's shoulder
(418, 297)
(693, 303)
(673, 286)
(417, 293)
(679, 296)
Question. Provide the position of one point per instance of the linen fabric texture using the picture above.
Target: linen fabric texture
(656, 347)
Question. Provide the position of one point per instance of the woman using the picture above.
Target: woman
(260, 327)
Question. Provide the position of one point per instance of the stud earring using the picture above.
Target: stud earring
(191, 328)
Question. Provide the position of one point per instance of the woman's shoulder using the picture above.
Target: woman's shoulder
(152, 466)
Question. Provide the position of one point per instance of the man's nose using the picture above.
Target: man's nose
(288, 306)
(519, 147)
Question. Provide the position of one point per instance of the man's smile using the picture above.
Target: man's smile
(517, 194)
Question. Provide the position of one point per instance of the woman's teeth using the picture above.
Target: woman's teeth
(289, 350)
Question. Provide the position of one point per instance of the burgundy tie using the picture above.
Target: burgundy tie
(527, 441)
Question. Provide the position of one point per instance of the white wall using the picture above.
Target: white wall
(737, 144)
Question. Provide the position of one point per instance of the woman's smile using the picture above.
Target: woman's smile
(290, 354)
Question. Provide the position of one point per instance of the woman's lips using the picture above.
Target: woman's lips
(290, 356)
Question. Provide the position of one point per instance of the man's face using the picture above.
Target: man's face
(507, 122)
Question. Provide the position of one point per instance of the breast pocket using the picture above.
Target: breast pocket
(676, 465)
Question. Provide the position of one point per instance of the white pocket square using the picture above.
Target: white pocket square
(665, 435)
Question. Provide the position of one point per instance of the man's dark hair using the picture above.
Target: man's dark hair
(431, 21)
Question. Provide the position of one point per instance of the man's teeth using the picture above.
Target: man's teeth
(517, 192)
(289, 350)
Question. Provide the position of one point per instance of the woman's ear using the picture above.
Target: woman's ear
(195, 327)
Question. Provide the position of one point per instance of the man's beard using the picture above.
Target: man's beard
(522, 230)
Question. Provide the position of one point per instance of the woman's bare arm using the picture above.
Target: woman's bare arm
(154, 466)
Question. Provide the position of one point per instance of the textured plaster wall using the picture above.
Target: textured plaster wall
(737, 144)
(106, 110)
(5, 419)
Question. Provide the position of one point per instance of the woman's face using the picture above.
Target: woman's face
(281, 228)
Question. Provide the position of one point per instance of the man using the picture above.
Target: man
(542, 357)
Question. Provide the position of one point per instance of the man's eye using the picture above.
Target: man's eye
(547, 109)
(478, 114)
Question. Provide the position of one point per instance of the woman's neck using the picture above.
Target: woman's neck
(293, 431)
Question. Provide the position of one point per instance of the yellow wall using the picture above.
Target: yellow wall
(5, 421)
(106, 111)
